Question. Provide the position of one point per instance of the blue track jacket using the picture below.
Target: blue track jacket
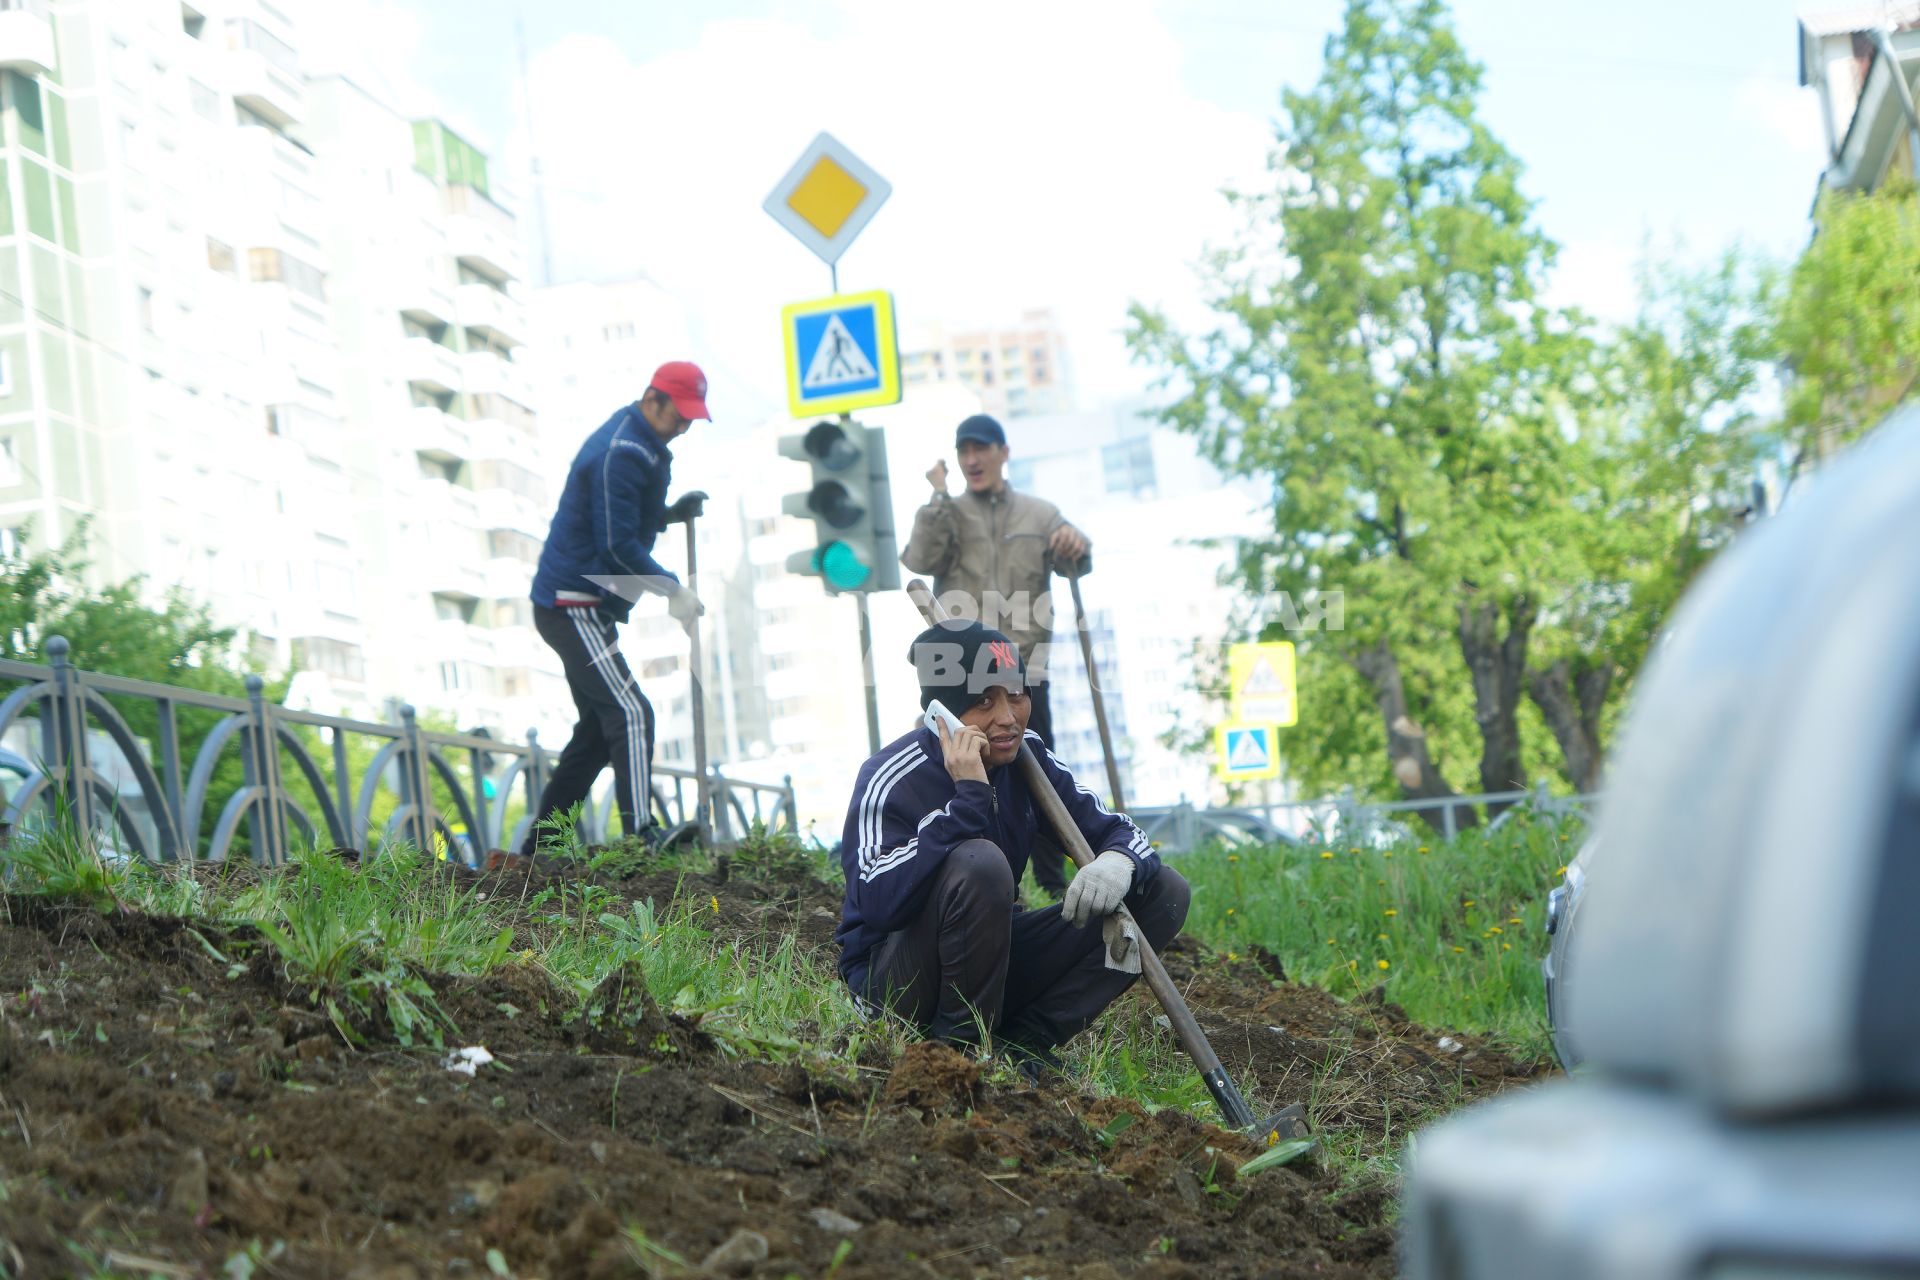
(613, 507)
(908, 814)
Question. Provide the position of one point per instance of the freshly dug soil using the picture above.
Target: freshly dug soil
(169, 1100)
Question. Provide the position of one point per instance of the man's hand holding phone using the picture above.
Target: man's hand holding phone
(964, 746)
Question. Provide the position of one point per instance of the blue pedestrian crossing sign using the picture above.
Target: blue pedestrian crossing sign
(842, 354)
(1246, 752)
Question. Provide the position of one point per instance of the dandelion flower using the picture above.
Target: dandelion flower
(1229, 910)
(1515, 920)
(1421, 849)
(1353, 964)
(1355, 849)
(1382, 964)
(1458, 950)
(1329, 941)
(1327, 854)
(1467, 903)
(715, 901)
(1233, 955)
(1495, 929)
(1379, 881)
(1562, 871)
(1387, 854)
(1506, 946)
(1233, 857)
(1382, 937)
(1392, 912)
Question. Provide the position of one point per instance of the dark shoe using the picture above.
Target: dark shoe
(1034, 1065)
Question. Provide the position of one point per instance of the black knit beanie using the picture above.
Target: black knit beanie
(956, 660)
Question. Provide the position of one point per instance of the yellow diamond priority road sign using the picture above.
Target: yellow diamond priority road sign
(827, 198)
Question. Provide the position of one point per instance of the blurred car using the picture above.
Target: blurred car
(1734, 959)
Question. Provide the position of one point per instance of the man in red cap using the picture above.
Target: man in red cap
(597, 561)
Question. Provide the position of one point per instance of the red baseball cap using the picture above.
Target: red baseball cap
(682, 382)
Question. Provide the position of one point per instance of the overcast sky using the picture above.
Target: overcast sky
(1062, 153)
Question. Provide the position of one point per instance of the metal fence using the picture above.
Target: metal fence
(1182, 827)
(143, 796)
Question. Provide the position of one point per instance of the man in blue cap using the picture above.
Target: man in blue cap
(991, 553)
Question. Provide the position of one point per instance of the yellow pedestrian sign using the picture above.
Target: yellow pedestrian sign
(1246, 752)
(1261, 682)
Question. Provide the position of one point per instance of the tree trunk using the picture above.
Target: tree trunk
(1571, 701)
(1412, 767)
(1498, 667)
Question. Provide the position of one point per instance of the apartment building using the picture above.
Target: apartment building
(1864, 61)
(1015, 371)
(258, 330)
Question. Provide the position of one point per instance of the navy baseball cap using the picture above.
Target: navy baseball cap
(982, 428)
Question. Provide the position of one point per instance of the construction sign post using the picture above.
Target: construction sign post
(842, 354)
(1261, 680)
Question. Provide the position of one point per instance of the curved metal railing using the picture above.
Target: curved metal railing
(144, 795)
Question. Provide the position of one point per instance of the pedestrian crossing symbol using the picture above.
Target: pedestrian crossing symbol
(1261, 679)
(1246, 752)
(842, 354)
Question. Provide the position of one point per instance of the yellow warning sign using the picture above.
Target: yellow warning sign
(1261, 680)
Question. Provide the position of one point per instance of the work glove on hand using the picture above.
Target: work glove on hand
(685, 606)
(689, 506)
(1098, 888)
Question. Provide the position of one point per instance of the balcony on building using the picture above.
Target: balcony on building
(26, 37)
(489, 313)
(265, 74)
(490, 373)
(481, 235)
(429, 367)
(437, 436)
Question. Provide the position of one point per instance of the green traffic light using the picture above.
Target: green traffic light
(841, 566)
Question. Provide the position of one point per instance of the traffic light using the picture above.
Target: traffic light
(850, 504)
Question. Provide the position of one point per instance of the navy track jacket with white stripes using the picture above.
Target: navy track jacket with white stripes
(613, 507)
(908, 814)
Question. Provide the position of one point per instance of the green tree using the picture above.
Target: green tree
(1509, 500)
(1389, 365)
(1850, 322)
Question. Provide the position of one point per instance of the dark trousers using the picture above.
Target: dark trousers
(1049, 859)
(614, 725)
(968, 959)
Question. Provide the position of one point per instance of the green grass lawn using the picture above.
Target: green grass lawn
(1455, 932)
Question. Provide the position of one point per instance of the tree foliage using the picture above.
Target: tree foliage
(1509, 499)
(1850, 322)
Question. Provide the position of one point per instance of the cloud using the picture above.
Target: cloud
(1040, 155)
(1790, 113)
(377, 44)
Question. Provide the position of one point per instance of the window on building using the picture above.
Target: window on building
(517, 612)
(143, 306)
(193, 22)
(1129, 466)
(440, 469)
(333, 657)
(453, 608)
(10, 543)
(220, 257)
(6, 373)
(206, 102)
(10, 473)
(509, 544)
(1020, 473)
(452, 677)
(271, 266)
(622, 332)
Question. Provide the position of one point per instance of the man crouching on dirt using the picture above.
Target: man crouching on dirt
(938, 832)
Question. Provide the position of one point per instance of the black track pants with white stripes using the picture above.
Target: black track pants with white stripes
(615, 724)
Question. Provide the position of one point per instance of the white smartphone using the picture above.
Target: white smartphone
(937, 712)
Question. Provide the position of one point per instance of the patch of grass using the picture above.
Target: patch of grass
(1454, 932)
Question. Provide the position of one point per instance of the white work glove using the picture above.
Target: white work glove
(684, 605)
(1097, 888)
(1122, 952)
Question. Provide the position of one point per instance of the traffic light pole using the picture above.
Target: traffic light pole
(860, 599)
